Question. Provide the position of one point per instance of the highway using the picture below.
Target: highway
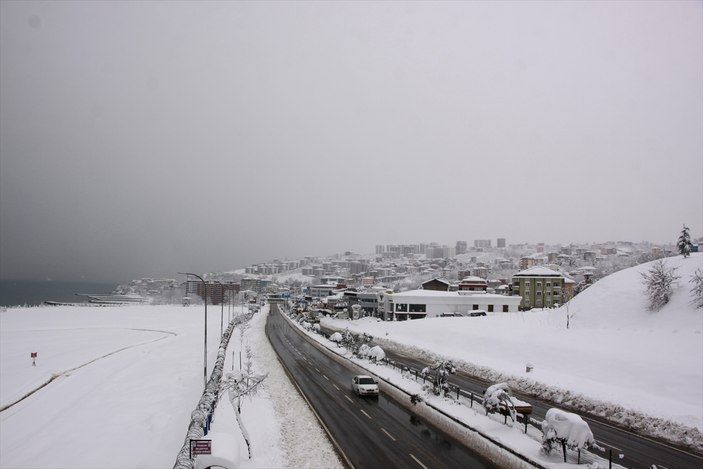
(628, 449)
(368, 432)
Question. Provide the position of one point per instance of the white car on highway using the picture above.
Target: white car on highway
(364, 385)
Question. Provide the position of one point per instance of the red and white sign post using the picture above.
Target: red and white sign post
(34, 358)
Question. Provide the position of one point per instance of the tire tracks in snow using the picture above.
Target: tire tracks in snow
(71, 370)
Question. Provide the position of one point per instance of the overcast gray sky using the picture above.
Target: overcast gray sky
(143, 138)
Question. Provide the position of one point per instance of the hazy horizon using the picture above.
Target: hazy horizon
(139, 139)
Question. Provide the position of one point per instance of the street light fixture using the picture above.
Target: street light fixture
(205, 344)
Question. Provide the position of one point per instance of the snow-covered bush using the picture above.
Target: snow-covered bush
(363, 351)
(658, 282)
(438, 374)
(376, 354)
(316, 327)
(306, 325)
(567, 430)
(697, 290)
(348, 340)
(498, 398)
(336, 337)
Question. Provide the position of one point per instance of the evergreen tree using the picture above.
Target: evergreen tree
(658, 282)
(684, 242)
(697, 290)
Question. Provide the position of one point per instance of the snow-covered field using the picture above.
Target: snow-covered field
(123, 383)
(124, 380)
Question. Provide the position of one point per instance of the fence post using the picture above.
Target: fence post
(610, 459)
(578, 458)
(472, 399)
(457, 393)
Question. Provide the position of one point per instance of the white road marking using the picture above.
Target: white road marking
(389, 435)
(349, 399)
(335, 386)
(609, 445)
(417, 461)
(362, 411)
(325, 377)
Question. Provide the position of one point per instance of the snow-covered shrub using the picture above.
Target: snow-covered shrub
(316, 327)
(306, 325)
(697, 290)
(658, 282)
(336, 337)
(438, 374)
(348, 340)
(567, 430)
(363, 351)
(498, 398)
(376, 354)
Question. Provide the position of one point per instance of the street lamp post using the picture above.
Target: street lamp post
(205, 344)
(222, 306)
(230, 309)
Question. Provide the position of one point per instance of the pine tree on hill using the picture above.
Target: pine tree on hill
(684, 242)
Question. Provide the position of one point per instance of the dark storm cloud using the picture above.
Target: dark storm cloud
(139, 139)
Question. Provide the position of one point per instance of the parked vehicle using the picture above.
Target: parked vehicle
(364, 385)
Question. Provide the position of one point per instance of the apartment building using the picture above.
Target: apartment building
(540, 287)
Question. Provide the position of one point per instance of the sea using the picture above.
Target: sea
(35, 292)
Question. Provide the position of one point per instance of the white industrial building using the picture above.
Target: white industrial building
(416, 304)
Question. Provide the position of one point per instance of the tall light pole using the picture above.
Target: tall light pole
(222, 306)
(205, 345)
(230, 309)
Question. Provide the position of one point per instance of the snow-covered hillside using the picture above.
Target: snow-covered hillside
(616, 351)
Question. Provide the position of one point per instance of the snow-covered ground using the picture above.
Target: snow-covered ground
(124, 380)
(123, 383)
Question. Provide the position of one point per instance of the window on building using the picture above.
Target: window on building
(548, 284)
(539, 293)
(418, 308)
(474, 307)
(401, 307)
(539, 284)
(505, 308)
(490, 308)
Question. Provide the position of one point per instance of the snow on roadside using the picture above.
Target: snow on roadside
(299, 441)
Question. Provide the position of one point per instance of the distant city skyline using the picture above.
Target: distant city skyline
(148, 138)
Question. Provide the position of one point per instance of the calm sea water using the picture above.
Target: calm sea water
(27, 292)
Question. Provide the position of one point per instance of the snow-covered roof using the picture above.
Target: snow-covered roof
(538, 271)
(473, 278)
(445, 294)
